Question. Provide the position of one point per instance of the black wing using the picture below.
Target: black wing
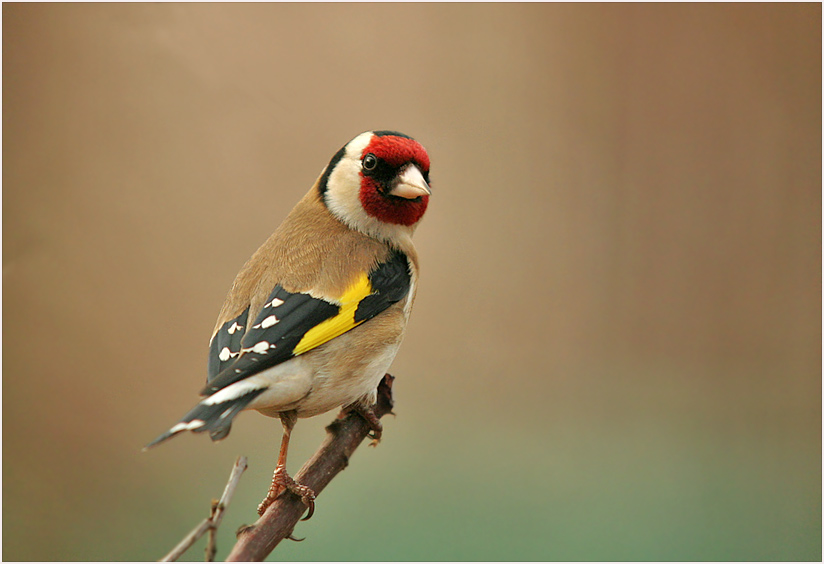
(284, 324)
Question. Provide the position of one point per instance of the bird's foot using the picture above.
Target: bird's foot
(281, 481)
(375, 424)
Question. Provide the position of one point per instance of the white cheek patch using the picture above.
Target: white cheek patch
(343, 195)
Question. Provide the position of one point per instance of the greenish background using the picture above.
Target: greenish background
(616, 346)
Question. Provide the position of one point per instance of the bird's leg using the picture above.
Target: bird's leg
(281, 481)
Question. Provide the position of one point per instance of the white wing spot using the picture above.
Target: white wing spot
(269, 321)
(234, 327)
(260, 348)
(226, 354)
(274, 303)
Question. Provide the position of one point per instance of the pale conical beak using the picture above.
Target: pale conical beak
(410, 184)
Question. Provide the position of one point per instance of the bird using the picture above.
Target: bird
(315, 317)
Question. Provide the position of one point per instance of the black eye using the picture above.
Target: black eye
(369, 162)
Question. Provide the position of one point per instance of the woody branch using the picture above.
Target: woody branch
(256, 542)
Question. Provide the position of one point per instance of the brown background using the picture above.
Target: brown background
(616, 348)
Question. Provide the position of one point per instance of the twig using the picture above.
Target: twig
(213, 522)
(255, 542)
(211, 543)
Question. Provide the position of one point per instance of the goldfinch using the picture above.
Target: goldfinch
(316, 316)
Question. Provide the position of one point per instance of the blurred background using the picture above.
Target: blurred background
(616, 347)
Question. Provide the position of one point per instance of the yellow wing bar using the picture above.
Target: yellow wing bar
(340, 323)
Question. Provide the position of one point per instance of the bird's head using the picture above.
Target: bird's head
(378, 183)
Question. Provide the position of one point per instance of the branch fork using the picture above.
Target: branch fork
(211, 524)
(256, 541)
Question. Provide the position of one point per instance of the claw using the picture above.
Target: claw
(311, 505)
(368, 414)
(281, 482)
(290, 537)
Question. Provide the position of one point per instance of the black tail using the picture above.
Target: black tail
(215, 418)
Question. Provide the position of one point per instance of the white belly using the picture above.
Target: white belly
(338, 373)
